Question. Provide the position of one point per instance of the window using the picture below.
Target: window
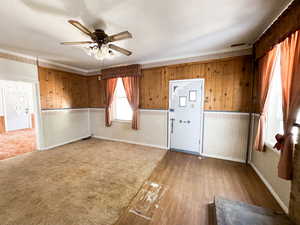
(121, 107)
(295, 130)
(275, 116)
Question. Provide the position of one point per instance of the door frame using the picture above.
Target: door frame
(39, 135)
(4, 104)
(202, 80)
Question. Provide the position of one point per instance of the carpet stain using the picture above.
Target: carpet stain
(83, 183)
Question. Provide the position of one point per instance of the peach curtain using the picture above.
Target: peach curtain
(266, 70)
(109, 94)
(131, 85)
(290, 77)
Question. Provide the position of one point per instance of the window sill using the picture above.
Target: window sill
(270, 146)
(121, 121)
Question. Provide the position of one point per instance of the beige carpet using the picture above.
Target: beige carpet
(87, 182)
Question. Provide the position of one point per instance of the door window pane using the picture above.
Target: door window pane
(192, 96)
(182, 101)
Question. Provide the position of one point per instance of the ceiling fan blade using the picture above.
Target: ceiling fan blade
(80, 27)
(120, 36)
(119, 49)
(77, 43)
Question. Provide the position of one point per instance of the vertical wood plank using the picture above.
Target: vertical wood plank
(60, 89)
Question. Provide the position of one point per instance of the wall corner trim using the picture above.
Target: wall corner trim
(270, 188)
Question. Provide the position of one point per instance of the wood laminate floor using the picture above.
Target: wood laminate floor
(181, 188)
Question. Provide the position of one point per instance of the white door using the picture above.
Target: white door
(17, 104)
(186, 115)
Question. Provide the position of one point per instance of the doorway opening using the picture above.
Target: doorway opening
(186, 111)
(17, 119)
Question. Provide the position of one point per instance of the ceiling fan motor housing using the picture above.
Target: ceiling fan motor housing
(100, 37)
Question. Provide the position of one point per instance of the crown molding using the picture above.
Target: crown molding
(226, 53)
(4, 54)
(63, 67)
(11, 55)
(93, 72)
(274, 20)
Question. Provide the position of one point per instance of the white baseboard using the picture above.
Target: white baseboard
(224, 158)
(64, 143)
(270, 188)
(131, 142)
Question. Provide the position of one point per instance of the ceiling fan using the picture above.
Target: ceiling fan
(100, 40)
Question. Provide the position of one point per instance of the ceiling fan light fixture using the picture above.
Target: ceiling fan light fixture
(99, 56)
(98, 53)
(111, 53)
(87, 50)
(100, 46)
(94, 50)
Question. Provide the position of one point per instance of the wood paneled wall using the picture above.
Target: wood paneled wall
(228, 84)
(286, 24)
(60, 89)
(96, 92)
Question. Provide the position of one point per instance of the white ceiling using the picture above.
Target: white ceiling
(161, 29)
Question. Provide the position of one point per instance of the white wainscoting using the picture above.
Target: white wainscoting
(218, 126)
(152, 132)
(226, 135)
(64, 126)
(265, 165)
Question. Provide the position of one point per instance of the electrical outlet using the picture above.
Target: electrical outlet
(99, 77)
